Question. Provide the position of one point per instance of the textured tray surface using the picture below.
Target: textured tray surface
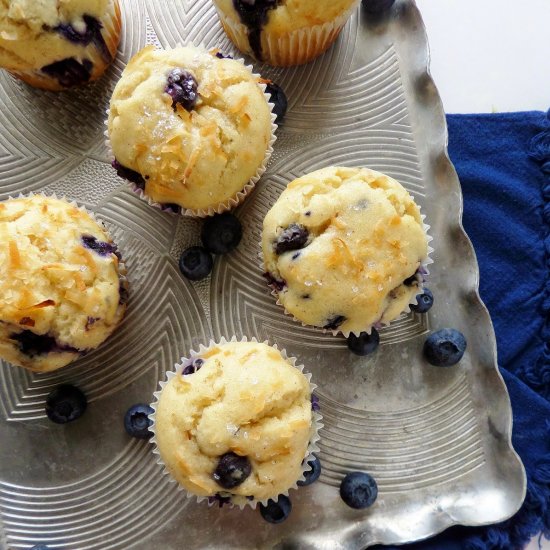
(436, 440)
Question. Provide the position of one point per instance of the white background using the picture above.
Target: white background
(490, 55)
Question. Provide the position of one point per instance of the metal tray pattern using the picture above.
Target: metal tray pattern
(436, 440)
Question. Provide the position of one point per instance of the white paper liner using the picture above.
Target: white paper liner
(236, 199)
(423, 273)
(239, 501)
(112, 25)
(293, 48)
(122, 270)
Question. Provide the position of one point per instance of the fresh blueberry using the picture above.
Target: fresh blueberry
(128, 174)
(334, 322)
(292, 237)
(278, 98)
(445, 347)
(358, 490)
(196, 263)
(221, 233)
(193, 367)
(276, 511)
(274, 283)
(364, 343)
(377, 6)
(101, 247)
(425, 301)
(136, 421)
(70, 72)
(65, 404)
(182, 88)
(313, 474)
(232, 470)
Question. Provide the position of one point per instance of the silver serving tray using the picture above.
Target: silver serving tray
(436, 440)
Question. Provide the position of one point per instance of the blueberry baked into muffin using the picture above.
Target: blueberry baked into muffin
(62, 286)
(54, 44)
(235, 423)
(344, 248)
(284, 32)
(191, 129)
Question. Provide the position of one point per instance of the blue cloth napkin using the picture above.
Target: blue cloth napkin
(503, 162)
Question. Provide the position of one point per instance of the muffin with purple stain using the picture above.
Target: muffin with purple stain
(63, 288)
(189, 130)
(344, 249)
(58, 45)
(234, 423)
(284, 32)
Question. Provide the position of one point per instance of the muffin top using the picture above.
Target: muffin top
(36, 33)
(244, 406)
(282, 16)
(342, 247)
(60, 287)
(188, 127)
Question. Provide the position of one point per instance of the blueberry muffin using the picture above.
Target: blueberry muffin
(62, 286)
(235, 423)
(56, 45)
(343, 248)
(284, 32)
(190, 129)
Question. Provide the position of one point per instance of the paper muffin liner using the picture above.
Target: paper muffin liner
(112, 25)
(122, 270)
(421, 277)
(239, 196)
(293, 48)
(237, 500)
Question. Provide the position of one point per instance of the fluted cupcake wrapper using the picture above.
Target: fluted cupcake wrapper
(237, 500)
(112, 25)
(293, 48)
(122, 270)
(238, 197)
(422, 275)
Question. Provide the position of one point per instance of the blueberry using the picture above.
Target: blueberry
(358, 490)
(182, 88)
(32, 344)
(136, 422)
(425, 301)
(274, 283)
(315, 403)
(65, 404)
(193, 367)
(220, 55)
(276, 511)
(101, 247)
(292, 237)
(334, 322)
(70, 72)
(221, 500)
(377, 6)
(221, 233)
(445, 347)
(92, 33)
(232, 470)
(313, 474)
(364, 343)
(278, 98)
(128, 174)
(196, 263)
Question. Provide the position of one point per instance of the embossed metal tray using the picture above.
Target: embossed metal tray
(436, 440)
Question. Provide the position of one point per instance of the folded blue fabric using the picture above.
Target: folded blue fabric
(503, 162)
